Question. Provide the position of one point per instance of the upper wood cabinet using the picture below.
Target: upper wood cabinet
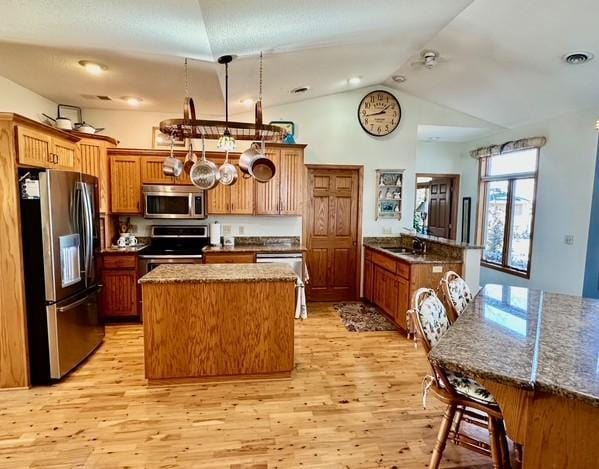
(151, 171)
(93, 160)
(283, 194)
(237, 199)
(125, 184)
(43, 150)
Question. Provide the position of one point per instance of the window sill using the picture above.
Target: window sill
(505, 270)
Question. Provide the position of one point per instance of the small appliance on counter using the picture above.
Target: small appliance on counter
(229, 241)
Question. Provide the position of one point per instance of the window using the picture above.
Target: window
(506, 212)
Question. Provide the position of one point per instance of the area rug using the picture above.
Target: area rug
(360, 317)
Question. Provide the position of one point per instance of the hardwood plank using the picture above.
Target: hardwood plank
(354, 401)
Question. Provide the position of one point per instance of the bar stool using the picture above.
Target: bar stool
(457, 294)
(466, 399)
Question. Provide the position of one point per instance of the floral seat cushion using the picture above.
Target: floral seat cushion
(469, 387)
(459, 294)
(433, 319)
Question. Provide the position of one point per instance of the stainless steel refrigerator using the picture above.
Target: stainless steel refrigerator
(61, 239)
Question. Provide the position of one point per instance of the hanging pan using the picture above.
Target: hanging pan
(204, 174)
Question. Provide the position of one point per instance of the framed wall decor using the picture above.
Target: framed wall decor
(162, 141)
(466, 212)
(287, 125)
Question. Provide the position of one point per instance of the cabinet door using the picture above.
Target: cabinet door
(218, 200)
(292, 181)
(268, 199)
(378, 287)
(151, 171)
(125, 184)
(403, 302)
(183, 179)
(104, 179)
(391, 294)
(242, 196)
(34, 148)
(119, 293)
(90, 158)
(65, 154)
(368, 280)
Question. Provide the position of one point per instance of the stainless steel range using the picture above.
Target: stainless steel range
(174, 244)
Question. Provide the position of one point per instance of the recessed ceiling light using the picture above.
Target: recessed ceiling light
(299, 90)
(93, 67)
(354, 80)
(248, 102)
(132, 100)
(577, 57)
(398, 78)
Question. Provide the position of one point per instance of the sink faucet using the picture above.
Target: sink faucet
(419, 246)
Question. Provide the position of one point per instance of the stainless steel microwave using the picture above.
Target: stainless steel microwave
(173, 202)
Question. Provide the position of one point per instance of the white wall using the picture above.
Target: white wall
(566, 171)
(20, 100)
(330, 127)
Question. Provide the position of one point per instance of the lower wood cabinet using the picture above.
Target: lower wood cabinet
(389, 282)
(120, 291)
(229, 257)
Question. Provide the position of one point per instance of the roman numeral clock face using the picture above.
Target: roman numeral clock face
(379, 113)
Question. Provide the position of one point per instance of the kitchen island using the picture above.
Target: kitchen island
(537, 353)
(218, 322)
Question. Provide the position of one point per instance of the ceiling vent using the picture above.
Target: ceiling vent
(577, 57)
(300, 90)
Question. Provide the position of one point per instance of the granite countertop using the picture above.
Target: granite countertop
(125, 250)
(258, 248)
(217, 273)
(411, 258)
(529, 339)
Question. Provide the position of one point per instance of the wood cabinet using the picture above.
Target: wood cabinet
(283, 194)
(120, 289)
(125, 184)
(229, 257)
(389, 282)
(237, 199)
(151, 171)
(44, 150)
(93, 160)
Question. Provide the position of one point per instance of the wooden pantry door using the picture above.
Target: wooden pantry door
(331, 232)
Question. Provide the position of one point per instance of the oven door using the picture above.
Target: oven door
(171, 205)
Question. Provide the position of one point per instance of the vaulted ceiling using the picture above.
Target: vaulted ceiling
(502, 60)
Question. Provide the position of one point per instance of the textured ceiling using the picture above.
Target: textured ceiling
(502, 57)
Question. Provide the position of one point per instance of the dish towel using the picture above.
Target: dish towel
(301, 312)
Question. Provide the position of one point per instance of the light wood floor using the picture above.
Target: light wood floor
(354, 402)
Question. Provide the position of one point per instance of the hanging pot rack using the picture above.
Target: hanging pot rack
(191, 127)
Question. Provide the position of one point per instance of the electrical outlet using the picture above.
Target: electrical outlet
(241, 229)
(569, 240)
(226, 229)
(386, 230)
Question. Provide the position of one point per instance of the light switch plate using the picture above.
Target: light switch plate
(241, 229)
(386, 230)
(437, 269)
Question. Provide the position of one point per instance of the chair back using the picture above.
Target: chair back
(430, 317)
(457, 294)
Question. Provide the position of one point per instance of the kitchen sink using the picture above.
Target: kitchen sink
(400, 250)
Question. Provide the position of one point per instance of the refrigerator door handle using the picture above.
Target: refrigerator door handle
(88, 227)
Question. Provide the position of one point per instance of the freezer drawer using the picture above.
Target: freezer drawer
(74, 331)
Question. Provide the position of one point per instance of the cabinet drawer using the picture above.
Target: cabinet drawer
(403, 270)
(368, 254)
(230, 258)
(120, 261)
(383, 261)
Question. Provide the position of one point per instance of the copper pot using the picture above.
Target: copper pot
(253, 163)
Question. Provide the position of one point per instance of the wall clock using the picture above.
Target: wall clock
(379, 113)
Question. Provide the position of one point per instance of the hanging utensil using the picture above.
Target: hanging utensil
(190, 159)
(172, 166)
(227, 172)
(204, 174)
(254, 163)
